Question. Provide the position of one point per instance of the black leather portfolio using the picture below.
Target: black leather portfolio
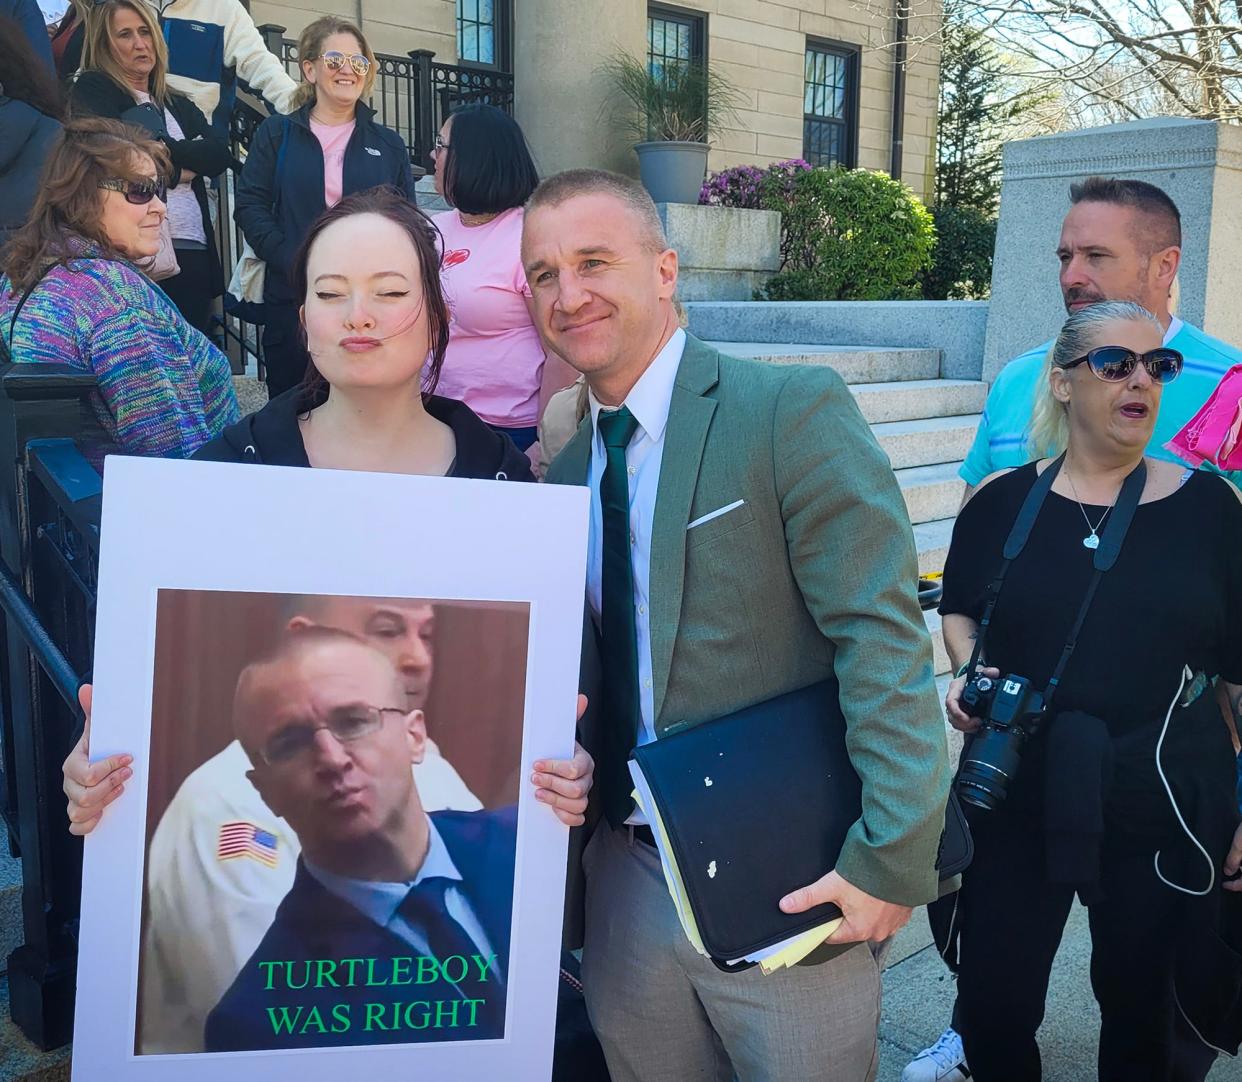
(754, 805)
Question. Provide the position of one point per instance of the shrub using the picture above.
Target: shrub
(848, 234)
(962, 262)
(743, 185)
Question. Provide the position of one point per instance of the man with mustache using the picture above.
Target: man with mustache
(1121, 241)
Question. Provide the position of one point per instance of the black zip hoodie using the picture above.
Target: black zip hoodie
(271, 437)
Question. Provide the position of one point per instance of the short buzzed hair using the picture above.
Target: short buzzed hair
(571, 183)
(1163, 219)
(290, 646)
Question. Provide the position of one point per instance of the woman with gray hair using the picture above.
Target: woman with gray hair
(1096, 759)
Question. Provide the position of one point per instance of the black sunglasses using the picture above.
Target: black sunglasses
(137, 192)
(1112, 364)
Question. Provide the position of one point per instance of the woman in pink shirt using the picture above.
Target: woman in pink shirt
(496, 362)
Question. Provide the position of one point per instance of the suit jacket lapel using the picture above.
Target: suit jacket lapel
(482, 846)
(689, 418)
(572, 465)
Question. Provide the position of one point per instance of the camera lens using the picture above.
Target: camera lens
(992, 761)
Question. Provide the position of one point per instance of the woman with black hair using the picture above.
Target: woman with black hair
(30, 115)
(496, 362)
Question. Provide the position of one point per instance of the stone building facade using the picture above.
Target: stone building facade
(817, 78)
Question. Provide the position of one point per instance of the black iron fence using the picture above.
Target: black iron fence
(49, 547)
(412, 95)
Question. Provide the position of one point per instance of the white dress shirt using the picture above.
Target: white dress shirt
(381, 901)
(648, 401)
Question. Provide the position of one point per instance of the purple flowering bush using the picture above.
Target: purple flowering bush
(748, 186)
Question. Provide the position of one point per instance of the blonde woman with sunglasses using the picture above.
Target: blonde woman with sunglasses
(1115, 779)
(302, 164)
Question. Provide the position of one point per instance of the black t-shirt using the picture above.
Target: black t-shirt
(1173, 598)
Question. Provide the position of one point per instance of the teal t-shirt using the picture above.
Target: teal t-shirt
(1000, 442)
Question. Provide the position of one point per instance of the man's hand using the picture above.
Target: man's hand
(564, 784)
(1233, 862)
(867, 919)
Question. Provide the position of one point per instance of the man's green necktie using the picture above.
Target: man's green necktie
(620, 647)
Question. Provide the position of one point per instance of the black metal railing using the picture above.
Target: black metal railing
(50, 498)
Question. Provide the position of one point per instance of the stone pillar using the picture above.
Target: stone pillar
(724, 253)
(563, 101)
(1199, 164)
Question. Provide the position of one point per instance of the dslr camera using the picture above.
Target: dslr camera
(1011, 711)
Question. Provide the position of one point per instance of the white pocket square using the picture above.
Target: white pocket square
(716, 514)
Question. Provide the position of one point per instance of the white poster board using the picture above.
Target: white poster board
(208, 576)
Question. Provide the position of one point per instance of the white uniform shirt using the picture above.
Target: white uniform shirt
(206, 914)
(648, 401)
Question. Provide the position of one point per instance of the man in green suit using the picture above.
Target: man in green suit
(747, 538)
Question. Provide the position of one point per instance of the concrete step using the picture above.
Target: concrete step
(932, 540)
(909, 400)
(931, 492)
(928, 440)
(856, 364)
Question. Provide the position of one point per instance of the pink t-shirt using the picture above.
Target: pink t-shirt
(333, 139)
(495, 358)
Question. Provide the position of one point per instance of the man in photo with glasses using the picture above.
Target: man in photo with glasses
(207, 911)
(1120, 241)
(396, 929)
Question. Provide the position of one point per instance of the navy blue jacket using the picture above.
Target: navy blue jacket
(27, 15)
(312, 924)
(280, 191)
(26, 138)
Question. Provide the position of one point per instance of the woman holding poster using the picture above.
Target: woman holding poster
(376, 328)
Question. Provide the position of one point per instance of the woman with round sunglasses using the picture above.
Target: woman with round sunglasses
(301, 164)
(72, 293)
(1124, 791)
(124, 77)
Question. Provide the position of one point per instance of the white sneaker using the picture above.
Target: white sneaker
(944, 1061)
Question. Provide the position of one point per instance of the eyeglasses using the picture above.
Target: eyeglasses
(334, 61)
(347, 724)
(440, 145)
(138, 192)
(1112, 364)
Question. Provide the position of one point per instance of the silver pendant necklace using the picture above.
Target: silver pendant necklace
(1092, 540)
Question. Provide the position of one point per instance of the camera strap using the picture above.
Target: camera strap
(1103, 558)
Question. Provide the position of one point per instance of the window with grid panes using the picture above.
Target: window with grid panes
(482, 32)
(830, 105)
(673, 37)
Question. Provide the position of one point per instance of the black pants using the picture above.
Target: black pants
(1011, 921)
(192, 290)
(284, 349)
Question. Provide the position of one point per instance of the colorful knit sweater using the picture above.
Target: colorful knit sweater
(164, 390)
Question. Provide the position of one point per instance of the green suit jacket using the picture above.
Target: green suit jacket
(814, 574)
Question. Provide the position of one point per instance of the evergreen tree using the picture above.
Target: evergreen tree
(972, 110)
